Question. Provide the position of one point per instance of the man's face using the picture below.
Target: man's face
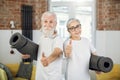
(48, 25)
(49, 22)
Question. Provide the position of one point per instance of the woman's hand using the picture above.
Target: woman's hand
(68, 49)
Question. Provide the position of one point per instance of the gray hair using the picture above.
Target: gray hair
(71, 20)
(49, 14)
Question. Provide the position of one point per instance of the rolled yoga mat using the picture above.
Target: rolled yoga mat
(99, 63)
(24, 45)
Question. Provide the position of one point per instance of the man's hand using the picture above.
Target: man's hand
(44, 60)
(68, 49)
(25, 56)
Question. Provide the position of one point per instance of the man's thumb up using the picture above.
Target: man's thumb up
(43, 55)
(44, 60)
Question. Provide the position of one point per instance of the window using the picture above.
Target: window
(80, 9)
(84, 15)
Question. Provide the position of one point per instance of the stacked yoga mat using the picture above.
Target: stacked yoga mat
(24, 45)
(99, 63)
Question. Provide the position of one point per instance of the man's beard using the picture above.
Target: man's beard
(48, 33)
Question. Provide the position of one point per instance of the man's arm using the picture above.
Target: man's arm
(47, 60)
(25, 56)
(55, 54)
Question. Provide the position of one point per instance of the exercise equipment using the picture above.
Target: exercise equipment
(25, 70)
(24, 45)
(100, 63)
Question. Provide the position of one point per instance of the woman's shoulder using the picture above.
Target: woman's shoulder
(84, 39)
(66, 41)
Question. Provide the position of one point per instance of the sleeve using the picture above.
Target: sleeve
(59, 43)
(92, 48)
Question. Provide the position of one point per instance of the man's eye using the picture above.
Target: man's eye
(51, 21)
(45, 21)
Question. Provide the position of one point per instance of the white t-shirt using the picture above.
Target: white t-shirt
(78, 65)
(53, 70)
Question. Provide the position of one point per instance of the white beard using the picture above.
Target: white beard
(48, 33)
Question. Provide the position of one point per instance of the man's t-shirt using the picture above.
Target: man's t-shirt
(53, 70)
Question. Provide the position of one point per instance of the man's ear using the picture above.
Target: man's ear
(55, 23)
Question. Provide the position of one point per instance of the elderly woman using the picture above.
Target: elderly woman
(77, 50)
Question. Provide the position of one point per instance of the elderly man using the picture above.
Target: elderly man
(49, 59)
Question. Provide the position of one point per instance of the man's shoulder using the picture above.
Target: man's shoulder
(58, 37)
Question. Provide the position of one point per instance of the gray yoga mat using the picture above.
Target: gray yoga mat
(24, 45)
(99, 63)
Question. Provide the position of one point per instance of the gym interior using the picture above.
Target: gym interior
(100, 20)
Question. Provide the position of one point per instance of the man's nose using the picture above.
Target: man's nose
(47, 25)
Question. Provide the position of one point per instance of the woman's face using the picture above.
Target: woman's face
(74, 29)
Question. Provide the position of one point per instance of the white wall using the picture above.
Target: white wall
(107, 44)
(5, 56)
